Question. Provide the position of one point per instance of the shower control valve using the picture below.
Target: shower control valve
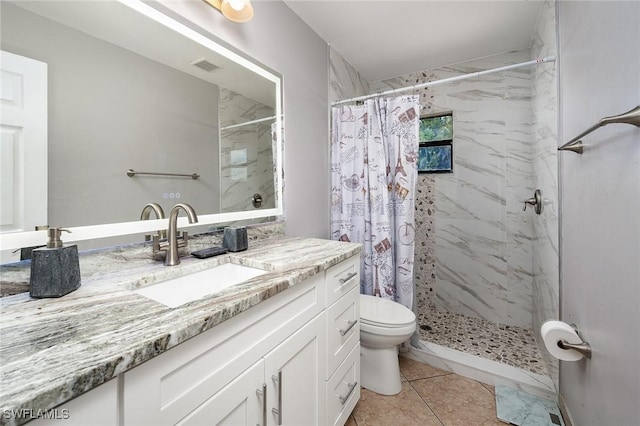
(535, 201)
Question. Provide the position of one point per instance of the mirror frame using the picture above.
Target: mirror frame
(16, 240)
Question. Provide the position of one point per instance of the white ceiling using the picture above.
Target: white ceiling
(388, 38)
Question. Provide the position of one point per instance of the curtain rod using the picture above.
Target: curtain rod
(447, 80)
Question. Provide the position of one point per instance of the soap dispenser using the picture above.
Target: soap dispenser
(55, 269)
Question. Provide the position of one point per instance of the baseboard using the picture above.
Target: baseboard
(566, 415)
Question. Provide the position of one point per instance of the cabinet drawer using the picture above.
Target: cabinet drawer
(342, 328)
(343, 389)
(341, 278)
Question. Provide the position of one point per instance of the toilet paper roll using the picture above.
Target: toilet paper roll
(555, 331)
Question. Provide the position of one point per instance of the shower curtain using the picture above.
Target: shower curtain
(373, 179)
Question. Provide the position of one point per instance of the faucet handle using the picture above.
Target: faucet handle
(163, 244)
(183, 240)
(159, 244)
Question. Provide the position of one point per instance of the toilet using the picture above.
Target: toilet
(384, 324)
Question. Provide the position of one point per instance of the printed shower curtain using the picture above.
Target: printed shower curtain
(373, 179)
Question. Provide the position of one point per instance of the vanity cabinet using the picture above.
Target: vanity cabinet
(293, 359)
(172, 387)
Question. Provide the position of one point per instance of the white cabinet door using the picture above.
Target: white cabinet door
(294, 377)
(240, 403)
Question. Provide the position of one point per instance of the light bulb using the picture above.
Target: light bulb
(237, 5)
(237, 10)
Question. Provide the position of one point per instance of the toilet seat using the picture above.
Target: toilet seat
(383, 313)
(406, 330)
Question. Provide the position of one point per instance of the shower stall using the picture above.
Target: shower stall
(486, 268)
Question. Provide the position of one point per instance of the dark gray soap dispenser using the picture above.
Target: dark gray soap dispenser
(55, 269)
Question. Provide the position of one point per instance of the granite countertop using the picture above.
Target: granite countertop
(52, 350)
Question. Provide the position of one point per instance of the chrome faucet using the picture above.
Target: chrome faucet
(146, 213)
(172, 244)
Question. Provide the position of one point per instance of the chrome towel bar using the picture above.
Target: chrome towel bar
(629, 117)
(132, 173)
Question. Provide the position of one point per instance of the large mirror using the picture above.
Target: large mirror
(131, 107)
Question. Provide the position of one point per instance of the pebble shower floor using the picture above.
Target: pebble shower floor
(509, 345)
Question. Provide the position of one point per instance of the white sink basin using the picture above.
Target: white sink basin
(187, 288)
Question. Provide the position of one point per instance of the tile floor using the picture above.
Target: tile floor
(429, 397)
(510, 345)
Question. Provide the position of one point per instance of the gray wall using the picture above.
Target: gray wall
(281, 41)
(600, 76)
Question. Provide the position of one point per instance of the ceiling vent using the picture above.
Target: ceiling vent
(202, 63)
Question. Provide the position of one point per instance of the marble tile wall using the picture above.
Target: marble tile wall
(545, 164)
(344, 80)
(483, 240)
(256, 174)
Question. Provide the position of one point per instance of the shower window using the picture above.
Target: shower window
(435, 154)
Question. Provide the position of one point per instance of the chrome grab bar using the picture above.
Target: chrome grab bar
(132, 173)
(629, 117)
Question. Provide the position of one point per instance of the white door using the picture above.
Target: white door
(23, 143)
(294, 374)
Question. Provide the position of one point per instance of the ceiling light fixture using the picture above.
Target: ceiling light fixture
(234, 10)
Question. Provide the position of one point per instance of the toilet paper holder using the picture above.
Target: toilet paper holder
(584, 348)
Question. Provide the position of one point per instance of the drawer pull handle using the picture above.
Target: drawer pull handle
(278, 411)
(352, 387)
(348, 277)
(350, 325)
(263, 394)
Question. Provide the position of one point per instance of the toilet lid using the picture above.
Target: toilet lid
(384, 312)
